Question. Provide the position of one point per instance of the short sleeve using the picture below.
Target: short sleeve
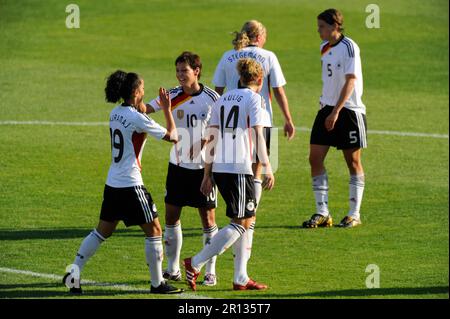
(351, 58)
(256, 111)
(145, 124)
(214, 118)
(276, 74)
(219, 78)
(155, 104)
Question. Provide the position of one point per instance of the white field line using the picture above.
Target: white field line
(121, 287)
(298, 128)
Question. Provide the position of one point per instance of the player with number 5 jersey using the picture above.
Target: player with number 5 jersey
(341, 120)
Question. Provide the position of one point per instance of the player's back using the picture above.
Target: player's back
(227, 75)
(128, 131)
(235, 113)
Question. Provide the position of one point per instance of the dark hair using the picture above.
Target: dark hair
(192, 59)
(332, 16)
(120, 85)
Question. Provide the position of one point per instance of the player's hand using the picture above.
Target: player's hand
(289, 130)
(164, 99)
(269, 179)
(330, 121)
(207, 185)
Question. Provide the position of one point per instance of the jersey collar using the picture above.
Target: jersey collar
(198, 93)
(339, 41)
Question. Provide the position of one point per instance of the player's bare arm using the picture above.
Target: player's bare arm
(347, 90)
(289, 127)
(165, 103)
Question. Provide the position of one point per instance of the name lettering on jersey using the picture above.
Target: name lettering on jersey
(120, 119)
(246, 54)
(233, 97)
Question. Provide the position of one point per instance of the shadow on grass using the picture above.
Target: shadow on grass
(377, 292)
(46, 290)
(69, 233)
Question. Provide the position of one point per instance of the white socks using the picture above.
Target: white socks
(173, 239)
(88, 248)
(208, 233)
(320, 189)
(154, 257)
(223, 240)
(356, 187)
(242, 249)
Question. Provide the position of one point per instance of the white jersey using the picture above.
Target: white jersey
(338, 60)
(235, 113)
(226, 74)
(191, 114)
(129, 129)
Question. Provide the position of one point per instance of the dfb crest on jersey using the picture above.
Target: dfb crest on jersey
(180, 114)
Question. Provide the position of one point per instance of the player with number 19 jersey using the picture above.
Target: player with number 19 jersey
(129, 129)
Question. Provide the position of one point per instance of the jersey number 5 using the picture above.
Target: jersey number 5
(330, 72)
(117, 144)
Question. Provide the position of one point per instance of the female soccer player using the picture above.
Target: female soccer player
(249, 43)
(191, 108)
(341, 120)
(125, 196)
(230, 142)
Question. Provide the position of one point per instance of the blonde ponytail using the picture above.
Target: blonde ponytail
(241, 40)
(249, 32)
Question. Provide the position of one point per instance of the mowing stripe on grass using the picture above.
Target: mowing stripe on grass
(298, 128)
(121, 287)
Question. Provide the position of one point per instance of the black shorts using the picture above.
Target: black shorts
(133, 205)
(238, 192)
(183, 188)
(350, 130)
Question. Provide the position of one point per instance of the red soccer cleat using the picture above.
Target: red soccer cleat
(251, 285)
(191, 274)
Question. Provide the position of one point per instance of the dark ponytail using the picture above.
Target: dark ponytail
(120, 85)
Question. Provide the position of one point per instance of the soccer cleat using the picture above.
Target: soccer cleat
(165, 289)
(174, 277)
(318, 220)
(209, 280)
(251, 285)
(348, 222)
(191, 274)
(72, 290)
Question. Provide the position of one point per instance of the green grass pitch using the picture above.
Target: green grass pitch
(52, 176)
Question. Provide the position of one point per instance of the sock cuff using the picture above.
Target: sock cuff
(153, 240)
(210, 229)
(98, 235)
(252, 226)
(178, 225)
(257, 181)
(357, 180)
(238, 228)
